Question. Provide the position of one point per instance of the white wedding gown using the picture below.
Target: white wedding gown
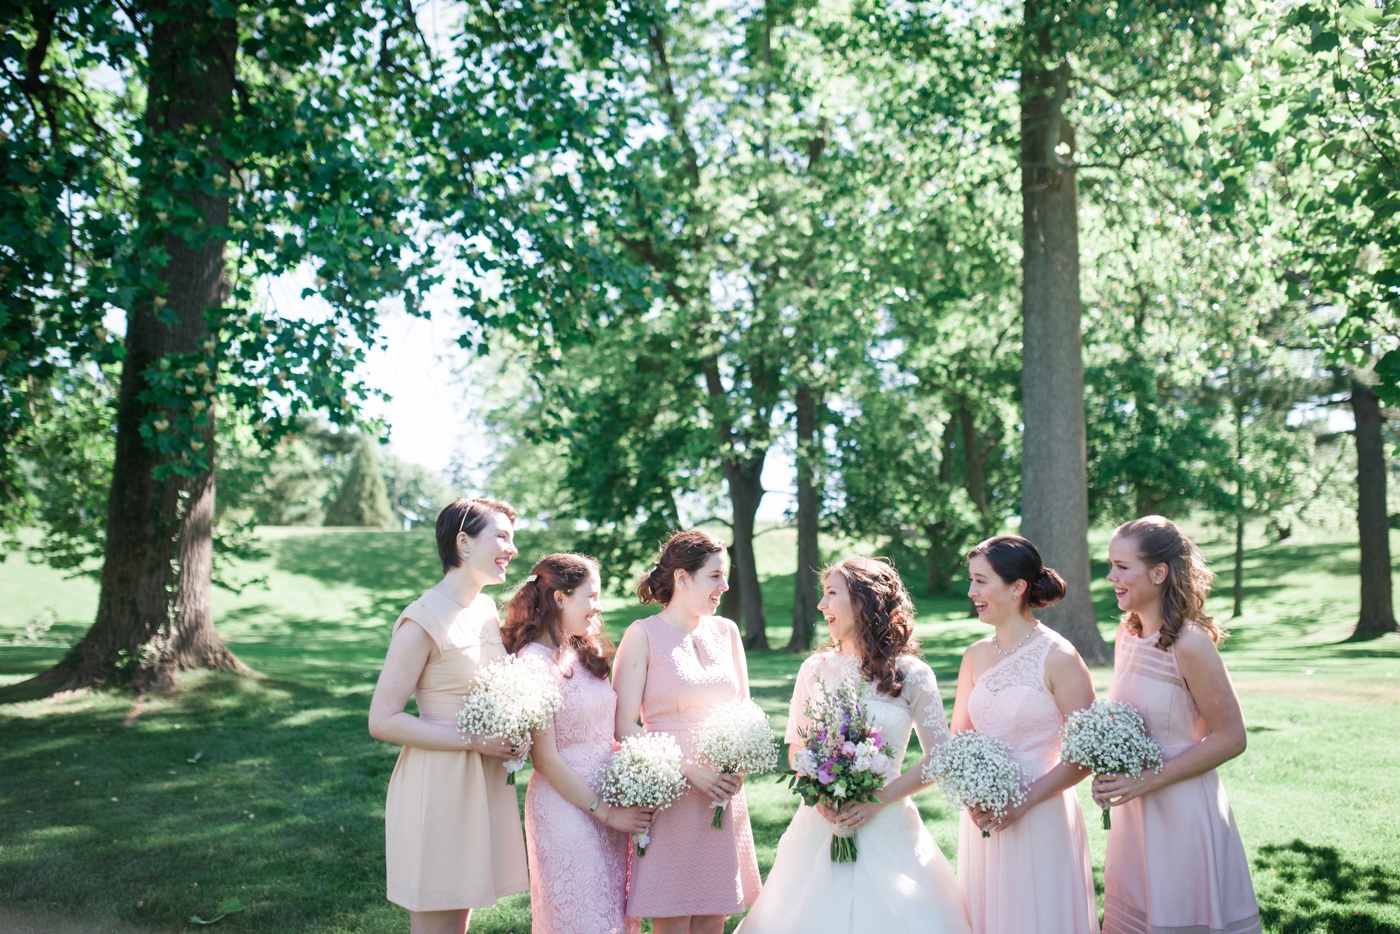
(900, 882)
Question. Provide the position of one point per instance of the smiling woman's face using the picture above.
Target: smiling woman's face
(491, 549)
(993, 598)
(835, 607)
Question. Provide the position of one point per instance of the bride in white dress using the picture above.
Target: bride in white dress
(900, 880)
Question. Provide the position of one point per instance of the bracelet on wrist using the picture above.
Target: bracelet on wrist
(594, 806)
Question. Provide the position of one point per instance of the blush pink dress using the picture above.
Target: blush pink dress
(451, 824)
(691, 868)
(578, 867)
(1033, 877)
(1175, 861)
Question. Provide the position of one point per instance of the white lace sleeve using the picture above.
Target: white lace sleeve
(925, 705)
(801, 691)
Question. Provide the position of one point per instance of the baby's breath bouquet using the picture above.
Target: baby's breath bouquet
(511, 698)
(976, 770)
(843, 758)
(737, 739)
(1109, 738)
(645, 772)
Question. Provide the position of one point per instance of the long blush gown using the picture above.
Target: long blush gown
(691, 868)
(900, 881)
(1175, 861)
(578, 867)
(1032, 877)
(451, 824)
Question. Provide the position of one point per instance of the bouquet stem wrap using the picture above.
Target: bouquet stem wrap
(843, 844)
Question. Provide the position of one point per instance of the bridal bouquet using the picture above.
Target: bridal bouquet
(843, 759)
(737, 739)
(976, 770)
(645, 772)
(1109, 738)
(511, 698)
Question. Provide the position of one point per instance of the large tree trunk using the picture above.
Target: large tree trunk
(805, 585)
(1377, 609)
(745, 491)
(154, 617)
(1054, 496)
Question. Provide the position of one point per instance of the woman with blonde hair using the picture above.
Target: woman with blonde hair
(1175, 861)
(577, 842)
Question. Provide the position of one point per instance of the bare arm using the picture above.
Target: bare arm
(1203, 669)
(630, 680)
(966, 679)
(741, 661)
(544, 755)
(409, 650)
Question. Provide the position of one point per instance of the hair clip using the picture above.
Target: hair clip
(531, 578)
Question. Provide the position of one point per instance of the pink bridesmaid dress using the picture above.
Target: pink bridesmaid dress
(1175, 861)
(1033, 877)
(691, 868)
(578, 867)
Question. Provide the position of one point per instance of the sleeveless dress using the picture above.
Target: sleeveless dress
(900, 881)
(1032, 877)
(578, 867)
(452, 835)
(1175, 861)
(691, 868)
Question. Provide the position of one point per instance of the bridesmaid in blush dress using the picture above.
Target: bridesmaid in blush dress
(451, 825)
(672, 669)
(577, 843)
(1175, 861)
(1032, 875)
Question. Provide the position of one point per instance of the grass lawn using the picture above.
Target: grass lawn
(269, 790)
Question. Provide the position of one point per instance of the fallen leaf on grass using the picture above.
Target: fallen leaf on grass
(226, 907)
(196, 757)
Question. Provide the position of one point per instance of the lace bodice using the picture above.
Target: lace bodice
(583, 728)
(1012, 702)
(918, 708)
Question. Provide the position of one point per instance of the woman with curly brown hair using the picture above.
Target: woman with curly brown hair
(577, 842)
(1175, 860)
(900, 880)
(1018, 685)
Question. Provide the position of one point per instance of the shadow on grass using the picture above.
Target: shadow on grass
(1309, 888)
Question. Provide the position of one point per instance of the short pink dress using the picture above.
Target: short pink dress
(1175, 861)
(578, 867)
(1033, 877)
(451, 824)
(691, 868)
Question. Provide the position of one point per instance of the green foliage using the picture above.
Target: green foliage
(362, 499)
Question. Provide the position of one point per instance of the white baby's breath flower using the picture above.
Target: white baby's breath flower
(644, 772)
(1109, 738)
(976, 770)
(510, 698)
(737, 739)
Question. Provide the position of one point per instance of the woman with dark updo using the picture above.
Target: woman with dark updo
(1031, 876)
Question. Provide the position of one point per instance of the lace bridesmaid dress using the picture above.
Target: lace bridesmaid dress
(451, 823)
(1033, 877)
(691, 868)
(578, 867)
(1175, 861)
(900, 881)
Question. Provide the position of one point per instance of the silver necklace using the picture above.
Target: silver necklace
(1012, 651)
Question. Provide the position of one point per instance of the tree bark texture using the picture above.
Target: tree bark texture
(154, 616)
(745, 492)
(805, 584)
(1377, 606)
(1055, 509)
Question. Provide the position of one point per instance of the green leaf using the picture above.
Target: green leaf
(226, 907)
(1191, 129)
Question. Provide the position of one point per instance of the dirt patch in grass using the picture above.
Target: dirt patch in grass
(17, 921)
